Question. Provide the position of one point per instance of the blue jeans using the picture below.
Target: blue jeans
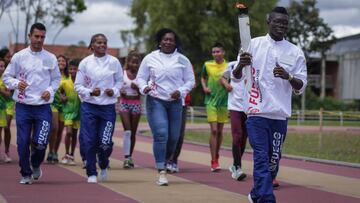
(164, 118)
(266, 137)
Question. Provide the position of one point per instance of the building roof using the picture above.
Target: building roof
(70, 51)
(345, 45)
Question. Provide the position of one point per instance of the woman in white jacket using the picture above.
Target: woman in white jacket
(98, 84)
(166, 76)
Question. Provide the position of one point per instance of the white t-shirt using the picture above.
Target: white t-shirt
(101, 72)
(39, 70)
(236, 96)
(164, 74)
(127, 86)
(270, 97)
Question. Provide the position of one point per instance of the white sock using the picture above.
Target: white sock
(127, 142)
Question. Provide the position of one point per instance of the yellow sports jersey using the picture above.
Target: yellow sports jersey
(71, 109)
(213, 72)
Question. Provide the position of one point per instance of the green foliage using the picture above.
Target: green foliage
(313, 102)
(50, 12)
(307, 29)
(199, 25)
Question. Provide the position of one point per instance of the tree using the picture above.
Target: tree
(310, 32)
(199, 24)
(4, 6)
(58, 13)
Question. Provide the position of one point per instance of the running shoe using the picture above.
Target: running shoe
(103, 174)
(251, 200)
(65, 159)
(37, 173)
(215, 167)
(163, 181)
(71, 160)
(92, 179)
(169, 167)
(49, 158)
(237, 173)
(55, 158)
(131, 163)
(175, 168)
(27, 180)
(126, 164)
(7, 158)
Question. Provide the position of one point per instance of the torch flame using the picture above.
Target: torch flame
(240, 5)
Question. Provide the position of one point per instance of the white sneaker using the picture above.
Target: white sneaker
(103, 174)
(92, 179)
(237, 174)
(169, 167)
(7, 158)
(250, 199)
(175, 168)
(27, 180)
(163, 181)
(71, 160)
(37, 173)
(65, 160)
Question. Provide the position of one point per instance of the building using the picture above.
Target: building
(342, 69)
(70, 51)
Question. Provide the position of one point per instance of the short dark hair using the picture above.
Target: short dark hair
(38, 26)
(218, 45)
(93, 38)
(3, 52)
(160, 34)
(280, 9)
(74, 62)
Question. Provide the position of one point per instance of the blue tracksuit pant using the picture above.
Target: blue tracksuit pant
(97, 127)
(266, 137)
(33, 124)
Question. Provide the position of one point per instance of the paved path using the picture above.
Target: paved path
(300, 181)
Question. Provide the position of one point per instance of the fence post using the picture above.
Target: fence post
(191, 114)
(321, 119)
(298, 117)
(341, 118)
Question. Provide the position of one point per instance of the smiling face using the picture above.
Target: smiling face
(218, 54)
(133, 63)
(168, 43)
(73, 70)
(278, 25)
(37, 38)
(2, 66)
(99, 46)
(61, 63)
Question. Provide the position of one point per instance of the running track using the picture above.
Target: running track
(300, 181)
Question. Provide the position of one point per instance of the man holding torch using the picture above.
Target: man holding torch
(277, 68)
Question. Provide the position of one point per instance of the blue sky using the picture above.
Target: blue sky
(111, 16)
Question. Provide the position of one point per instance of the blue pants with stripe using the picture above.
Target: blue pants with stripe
(33, 125)
(266, 137)
(97, 127)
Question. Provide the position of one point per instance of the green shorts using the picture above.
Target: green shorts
(3, 122)
(217, 114)
(74, 123)
(10, 108)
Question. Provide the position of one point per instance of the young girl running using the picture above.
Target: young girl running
(129, 106)
(4, 94)
(71, 111)
(57, 119)
(6, 55)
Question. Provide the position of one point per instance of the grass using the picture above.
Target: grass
(333, 146)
